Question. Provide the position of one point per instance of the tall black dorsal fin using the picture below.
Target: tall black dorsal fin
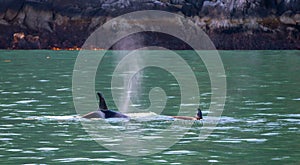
(102, 103)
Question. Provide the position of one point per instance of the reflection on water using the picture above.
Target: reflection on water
(260, 123)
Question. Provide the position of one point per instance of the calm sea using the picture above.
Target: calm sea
(259, 125)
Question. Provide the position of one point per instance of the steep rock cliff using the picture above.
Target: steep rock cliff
(231, 24)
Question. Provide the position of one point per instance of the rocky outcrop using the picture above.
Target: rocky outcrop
(231, 24)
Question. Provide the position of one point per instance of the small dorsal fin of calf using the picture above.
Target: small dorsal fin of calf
(199, 113)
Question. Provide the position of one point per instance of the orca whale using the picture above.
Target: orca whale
(197, 117)
(103, 111)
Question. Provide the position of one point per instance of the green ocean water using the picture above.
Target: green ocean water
(259, 125)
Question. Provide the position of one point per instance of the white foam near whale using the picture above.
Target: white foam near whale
(139, 116)
(56, 118)
(77, 117)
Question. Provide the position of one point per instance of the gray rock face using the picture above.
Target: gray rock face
(67, 23)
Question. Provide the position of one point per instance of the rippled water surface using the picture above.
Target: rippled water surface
(259, 125)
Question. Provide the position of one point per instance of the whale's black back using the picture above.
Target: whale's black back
(113, 114)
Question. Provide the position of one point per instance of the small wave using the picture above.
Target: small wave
(26, 158)
(26, 111)
(280, 98)
(14, 150)
(26, 101)
(63, 89)
(263, 103)
(180, 152)
(292, 115)
(43, 81)
(222, 120)
(8, 105)
(280, 158)
(6, 139)
(10, 134)
(291, 120)
(46, 149)
(58, 118)
(253, 140)
(270, 134)
(69, 160)
(33, 92)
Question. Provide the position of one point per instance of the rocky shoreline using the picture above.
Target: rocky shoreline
(231, 24)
